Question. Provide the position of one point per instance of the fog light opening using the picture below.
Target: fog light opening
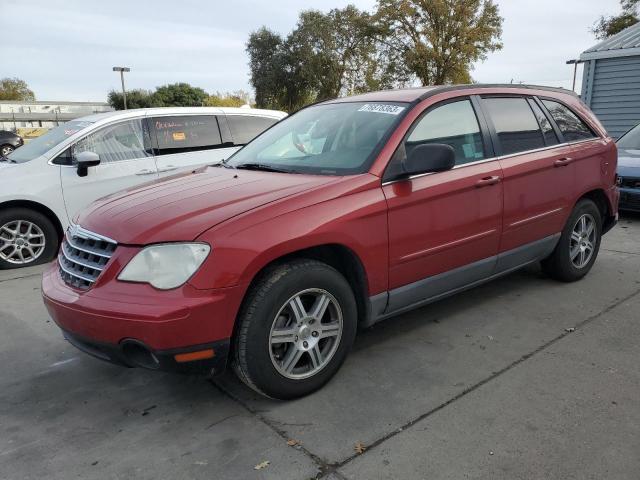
(137, 354)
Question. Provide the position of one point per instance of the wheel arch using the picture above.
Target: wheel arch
(600, 198)
(342, 258)
(38, 207)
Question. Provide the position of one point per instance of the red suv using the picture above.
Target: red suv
(346, 213)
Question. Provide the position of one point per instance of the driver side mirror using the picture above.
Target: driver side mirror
(86, 160)
(430, 157)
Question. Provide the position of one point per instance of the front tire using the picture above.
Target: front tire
(295, 329)
(579, 244)
(27, 238)
(6, 149)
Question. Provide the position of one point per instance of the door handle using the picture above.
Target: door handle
(168, 168)
(562, 162)
(487, 181)
(146, 171)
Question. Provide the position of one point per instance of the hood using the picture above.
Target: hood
(629, 163)
(6, 165)
(182, 207)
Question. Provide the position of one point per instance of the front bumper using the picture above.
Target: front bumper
(137, 325)
(629, 199)
(136, 354)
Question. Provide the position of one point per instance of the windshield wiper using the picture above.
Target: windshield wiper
(263, 167)
(6, 159)
(222, 163)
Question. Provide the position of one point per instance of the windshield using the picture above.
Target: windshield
(39, 146)
(631, 139)
(330, 139)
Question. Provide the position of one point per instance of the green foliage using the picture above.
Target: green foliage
(175, 95)
(235, 99)
(439, 40)
(348, 51)
(605, 27)
(180, 95)
(277, 74)
(326, 55)
(135, 99)
(15, 89)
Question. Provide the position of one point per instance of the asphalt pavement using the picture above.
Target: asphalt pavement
(522, 378)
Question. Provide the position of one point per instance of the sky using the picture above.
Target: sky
(65, 49)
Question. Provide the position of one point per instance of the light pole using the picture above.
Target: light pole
(124, 93)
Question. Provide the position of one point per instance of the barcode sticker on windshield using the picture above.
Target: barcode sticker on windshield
(381, 108)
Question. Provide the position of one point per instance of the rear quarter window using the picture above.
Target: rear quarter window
(245, 128)
(571, 126)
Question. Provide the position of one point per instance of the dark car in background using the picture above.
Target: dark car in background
(629, 170)
(9, 141)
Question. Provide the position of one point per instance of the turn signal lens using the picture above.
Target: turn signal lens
(193, 356)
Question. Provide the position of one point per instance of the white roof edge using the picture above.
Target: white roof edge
(139, 112)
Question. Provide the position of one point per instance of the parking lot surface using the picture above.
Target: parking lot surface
(522, 378)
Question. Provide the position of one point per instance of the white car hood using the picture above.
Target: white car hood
(5, 165)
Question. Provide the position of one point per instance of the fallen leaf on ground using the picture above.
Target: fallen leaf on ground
(262, 465)
(359, 448)
(292, 442)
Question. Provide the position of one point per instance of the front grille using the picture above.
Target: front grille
(629, 182)
(83, 256)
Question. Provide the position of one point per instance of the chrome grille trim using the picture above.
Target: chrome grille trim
(83, 256)
(86, 249)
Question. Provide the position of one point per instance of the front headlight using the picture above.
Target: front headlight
(166, 266)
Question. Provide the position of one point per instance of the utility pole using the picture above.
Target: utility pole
(124, 92)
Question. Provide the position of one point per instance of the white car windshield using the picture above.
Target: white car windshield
(41, 145)
(327, 139)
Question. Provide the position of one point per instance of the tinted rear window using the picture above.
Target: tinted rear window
(571, 126)
(245, 128)
(177, 134)
(516, 126)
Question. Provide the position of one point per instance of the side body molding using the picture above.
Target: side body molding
(431, 289)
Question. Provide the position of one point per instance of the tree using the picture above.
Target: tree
(135, 99)
(15, 89)
(325, 56)
(439, 40)
(605, 27)
(235, 99)
(277, 74)
(339, 50)
(179, 95)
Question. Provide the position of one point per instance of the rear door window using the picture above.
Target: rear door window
(186, 133)
(571, 126)
(245, 128)
(515, 124)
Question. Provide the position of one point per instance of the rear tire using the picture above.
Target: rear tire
(578, 246)
(295, 329)
(27, 238)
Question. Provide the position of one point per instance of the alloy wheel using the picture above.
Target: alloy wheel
(583, 241)
(305, 334)
(21, 242)
(6, 150)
